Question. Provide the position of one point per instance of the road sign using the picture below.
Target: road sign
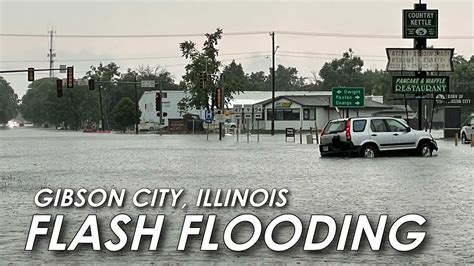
(208, 117)
(82, 82)
(258, 108)
(431, 84)
(455, 99)
(148, 83)
(420, 24)
(410, 59)
(220, 117)
(62, 68)
(248, 109)
(348, 97)
(237, 109)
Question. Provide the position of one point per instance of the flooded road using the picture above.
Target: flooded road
(439, 188)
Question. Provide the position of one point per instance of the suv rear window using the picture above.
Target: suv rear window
(335, 126)
(359, 125)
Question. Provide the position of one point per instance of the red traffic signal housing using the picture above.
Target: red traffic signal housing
(91, 84)
(70, 77)
(158, 102)
(218, 98)
(59, 87)
(31, 74)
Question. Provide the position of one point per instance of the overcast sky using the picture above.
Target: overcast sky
(379, 17)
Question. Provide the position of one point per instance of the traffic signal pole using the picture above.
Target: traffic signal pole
(161, 108)
(137, 119)
(101, 108)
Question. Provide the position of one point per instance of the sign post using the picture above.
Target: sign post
(258, 110)
(248, 117)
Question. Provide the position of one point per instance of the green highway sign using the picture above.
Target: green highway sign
(348, 97)
(420, 84)
(420, 24)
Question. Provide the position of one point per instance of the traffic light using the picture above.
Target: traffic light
(91, 84)
(158, 102)
(218, 98)
(202, 80)
(59, 87)
(31, 74)
(70, 77)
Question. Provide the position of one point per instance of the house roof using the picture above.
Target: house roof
(320, 101)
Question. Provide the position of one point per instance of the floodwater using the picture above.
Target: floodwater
(439, 188)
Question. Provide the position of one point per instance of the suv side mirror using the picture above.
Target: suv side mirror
(408, 129)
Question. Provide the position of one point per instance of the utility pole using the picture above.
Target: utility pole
(137, 119)
(420, 43)
(273, 82)
(51, 54)
(101, 108)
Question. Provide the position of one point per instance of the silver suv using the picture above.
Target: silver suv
(370, 136)
(467, 129)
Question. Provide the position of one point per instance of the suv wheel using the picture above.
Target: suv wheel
(425, 150)
(463, 138)
(368, 151)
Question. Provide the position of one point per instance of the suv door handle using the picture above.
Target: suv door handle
(395, 134)
(374, 135)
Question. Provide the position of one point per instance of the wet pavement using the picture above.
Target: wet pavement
(439, 188)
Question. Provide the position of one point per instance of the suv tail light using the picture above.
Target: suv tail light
(348, 130)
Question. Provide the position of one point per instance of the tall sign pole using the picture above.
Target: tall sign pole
(420, 43)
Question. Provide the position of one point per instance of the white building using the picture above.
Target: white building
(170, 102)
(305, 111)
(293, 109)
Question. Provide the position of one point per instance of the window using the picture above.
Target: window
(335, 126)
(359, 125)
(378, 125)
(309, 114)
(284, 114)
(395, 126)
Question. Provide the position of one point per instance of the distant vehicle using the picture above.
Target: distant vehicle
(371, 136)
(148, 126)
(229, 124)
(468, 129)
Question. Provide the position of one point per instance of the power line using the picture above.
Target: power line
(122, 59)
(335, 54)
(181, 35)
(363, 35)
(319, 57)
(165, 66)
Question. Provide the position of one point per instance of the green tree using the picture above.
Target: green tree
(346, 71)
(234, 78)
(8, 102)
(286, 78)
(201, 61)
(41, 105)
(259, 81)
(124, 113)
